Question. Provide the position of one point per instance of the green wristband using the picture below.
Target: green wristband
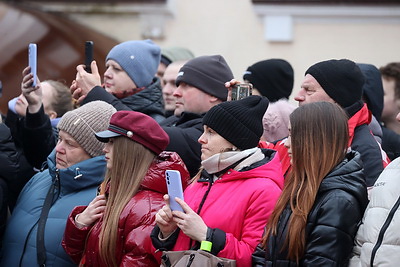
(206, 246)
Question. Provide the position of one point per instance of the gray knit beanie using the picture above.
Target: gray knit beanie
(208, 74)
(139, 59)
(82, 124)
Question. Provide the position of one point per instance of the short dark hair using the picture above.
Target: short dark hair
(392, 71)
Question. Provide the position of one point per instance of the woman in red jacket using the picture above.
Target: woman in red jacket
(227, 203)
(114, 229)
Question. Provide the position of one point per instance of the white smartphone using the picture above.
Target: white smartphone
(32, 51)
(174, 185)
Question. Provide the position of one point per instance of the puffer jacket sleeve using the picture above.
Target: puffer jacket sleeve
(74, 238)
(258, 257)
(330, 238)
(39, 137)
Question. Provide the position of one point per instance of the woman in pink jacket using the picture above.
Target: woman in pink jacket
(114, 229)
(233, 195)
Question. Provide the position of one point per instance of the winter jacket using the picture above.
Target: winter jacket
(19, 244)
(39, 137)
(391, 143)
(236, 208)
(183, 134)
(362, 141)
(9, 170)
(378, 239)
(21, 169)
(137, 219)
(331, 224)
(148, 101)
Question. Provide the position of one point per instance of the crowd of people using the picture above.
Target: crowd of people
(265, 183)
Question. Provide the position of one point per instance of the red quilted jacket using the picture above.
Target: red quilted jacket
(134, 247)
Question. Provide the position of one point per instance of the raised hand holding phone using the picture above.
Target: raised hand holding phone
(88, 55)
(174, 186)
(32, 59)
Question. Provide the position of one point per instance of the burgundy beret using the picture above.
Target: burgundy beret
(138, 127)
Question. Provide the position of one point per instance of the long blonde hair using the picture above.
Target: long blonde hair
(131, 161)
(319, 140)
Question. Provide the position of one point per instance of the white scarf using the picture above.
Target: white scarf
(221, 161)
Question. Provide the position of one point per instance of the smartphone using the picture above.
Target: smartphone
(240, 91)
(32, 59)
(174, 185)
(88, 55)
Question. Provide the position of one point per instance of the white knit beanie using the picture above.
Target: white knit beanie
(82, 124)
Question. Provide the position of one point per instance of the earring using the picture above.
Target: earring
(234, 148)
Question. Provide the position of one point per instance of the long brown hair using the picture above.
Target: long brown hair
(130, 163)
(319, 140)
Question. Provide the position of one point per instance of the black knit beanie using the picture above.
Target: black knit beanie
(207, 73)
(341, 79)
(273, 78)
(240, 121)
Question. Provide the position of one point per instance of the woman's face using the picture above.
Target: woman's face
(108, 151)
(116, 80)
(288, 144)
(212, 143)
(68, 151)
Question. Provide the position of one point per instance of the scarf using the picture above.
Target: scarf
(224, 160)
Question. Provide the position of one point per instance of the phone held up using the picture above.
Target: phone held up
(88, 55)
(32, 59)
(174, 186)
(242, 90)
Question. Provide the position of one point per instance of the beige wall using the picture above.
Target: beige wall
(235, 29)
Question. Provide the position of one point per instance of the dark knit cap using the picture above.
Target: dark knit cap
(341, 79)
(273, 78)
(207, 73)
(240, 121)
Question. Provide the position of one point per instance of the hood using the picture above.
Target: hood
(84, 174)
(373, 89)
(270, 167)
(148, 101)
(348, 176)
(155, 177)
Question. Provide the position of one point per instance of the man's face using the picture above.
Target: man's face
(311, 91)
(160, 72)
(191, 99)
(169, 79)
(391, 104)
(68, 151)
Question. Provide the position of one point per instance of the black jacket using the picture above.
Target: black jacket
(39, 137)
(148, 101)
(15, 168)
(331, 224)
(183, 134)
(365, 143)
(391, 143)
